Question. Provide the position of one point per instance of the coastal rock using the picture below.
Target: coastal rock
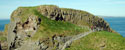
(25, 24)
(18, 32)
(74, 16)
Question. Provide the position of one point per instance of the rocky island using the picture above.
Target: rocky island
(48, 27)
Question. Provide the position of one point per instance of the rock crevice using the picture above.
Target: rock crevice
(23, 31)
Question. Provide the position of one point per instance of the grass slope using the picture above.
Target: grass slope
(99, 40)
(49, 27)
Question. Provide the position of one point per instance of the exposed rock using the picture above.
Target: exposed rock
(74, 16)
(19, 30)
(56, 42)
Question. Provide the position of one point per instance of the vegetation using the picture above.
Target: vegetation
(2, 37)
(94, 41)
(24, 13)
(50, 27)
(99, 40)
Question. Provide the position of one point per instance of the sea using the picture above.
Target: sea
(3, 22)
(116, 23)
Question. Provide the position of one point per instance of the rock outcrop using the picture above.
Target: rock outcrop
(24, 24)
(20, 31)
(74, 16)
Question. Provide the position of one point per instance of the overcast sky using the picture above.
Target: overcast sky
(96, 7)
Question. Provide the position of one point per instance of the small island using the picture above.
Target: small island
(48, 27)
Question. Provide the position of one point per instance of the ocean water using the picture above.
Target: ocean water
(2, 23)
(117, 24)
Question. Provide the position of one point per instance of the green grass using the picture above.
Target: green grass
(99, 40)
(24, 12)
(2, 38)
(50, 27)
(94, 41)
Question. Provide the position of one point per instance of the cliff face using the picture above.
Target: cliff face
(74, 16)
(49, 25)
(18, 31)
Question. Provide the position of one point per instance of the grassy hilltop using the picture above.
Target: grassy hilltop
(50, 27)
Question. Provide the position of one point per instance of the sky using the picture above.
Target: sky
(97, 7)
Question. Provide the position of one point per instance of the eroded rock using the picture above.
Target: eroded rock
(21, 31)
(74, 16)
